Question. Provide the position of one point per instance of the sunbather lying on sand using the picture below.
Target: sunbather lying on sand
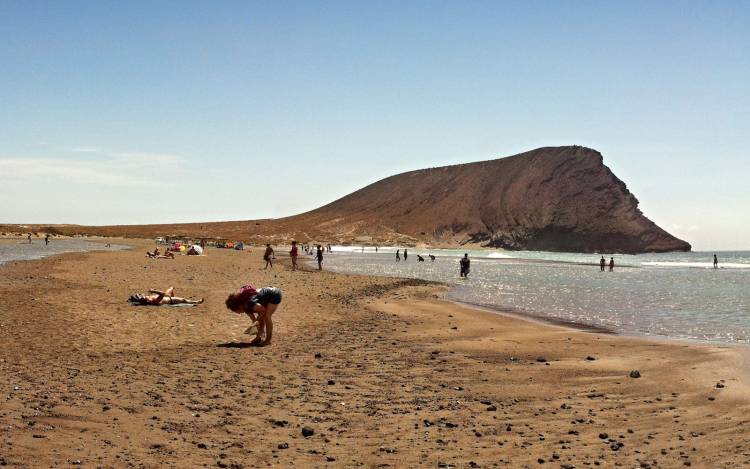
(153, 254)
(158, 298)
(260, 306)
(167, 255)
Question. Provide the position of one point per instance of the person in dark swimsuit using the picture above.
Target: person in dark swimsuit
(319, 257)
(602, 263)
(406, 254)
(158, 298)
(268, 256)
(716, 262)
(398, 255)
(260, 306)
(611, 264)
(465, 264)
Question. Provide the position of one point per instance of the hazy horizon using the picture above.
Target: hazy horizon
(175, 113)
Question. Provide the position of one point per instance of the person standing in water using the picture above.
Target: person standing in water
(319, 256)
(611, 264)
(29, 238)
(602, 263)
(46, 240)
(465, 265)
(406, 254)
(398, 255)
(716, 262)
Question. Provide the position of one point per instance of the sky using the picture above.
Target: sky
(158, 112)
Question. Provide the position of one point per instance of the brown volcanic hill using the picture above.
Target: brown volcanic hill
(554, 198)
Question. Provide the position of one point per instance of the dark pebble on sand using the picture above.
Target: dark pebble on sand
(603, 436)
(590, 358)
(635, 374)
(330, 458)
(307, 432)
(283, 446)
(331, 382)
(541, 359)
(719, 385)
(491, 408)
(318, 355)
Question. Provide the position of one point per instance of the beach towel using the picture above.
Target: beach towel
(178, 305)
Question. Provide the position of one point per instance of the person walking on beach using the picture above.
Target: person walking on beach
(268, 256)
(259, 306)
(293, 253)
(319, 256)
(611, 264)
(432, 258)
(716, 262)
(398, 255)
(406, 254)
(29, 238)
(465, 264)
(602, 263)
(46, 240)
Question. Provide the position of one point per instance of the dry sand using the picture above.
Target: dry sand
(384, 372)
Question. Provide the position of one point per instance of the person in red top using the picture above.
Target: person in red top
(293, 254)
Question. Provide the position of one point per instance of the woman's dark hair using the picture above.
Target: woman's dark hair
(234, 301)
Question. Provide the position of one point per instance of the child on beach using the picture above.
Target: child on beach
(260, 306)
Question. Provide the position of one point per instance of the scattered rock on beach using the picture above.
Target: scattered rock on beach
(307, 432)
(635, 374)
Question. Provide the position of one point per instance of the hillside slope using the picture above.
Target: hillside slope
(553, 198)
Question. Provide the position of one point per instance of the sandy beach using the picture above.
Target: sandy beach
(383, 372)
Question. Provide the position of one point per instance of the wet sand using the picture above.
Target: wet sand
(382, 371)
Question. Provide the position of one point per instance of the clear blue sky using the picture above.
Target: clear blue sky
(128, 112)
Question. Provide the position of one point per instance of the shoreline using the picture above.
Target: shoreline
(383, 370)
(574, 325)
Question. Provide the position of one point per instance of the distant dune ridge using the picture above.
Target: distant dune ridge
(552, 198)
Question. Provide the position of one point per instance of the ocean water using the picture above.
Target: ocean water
(17, 250)
(674, 295)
